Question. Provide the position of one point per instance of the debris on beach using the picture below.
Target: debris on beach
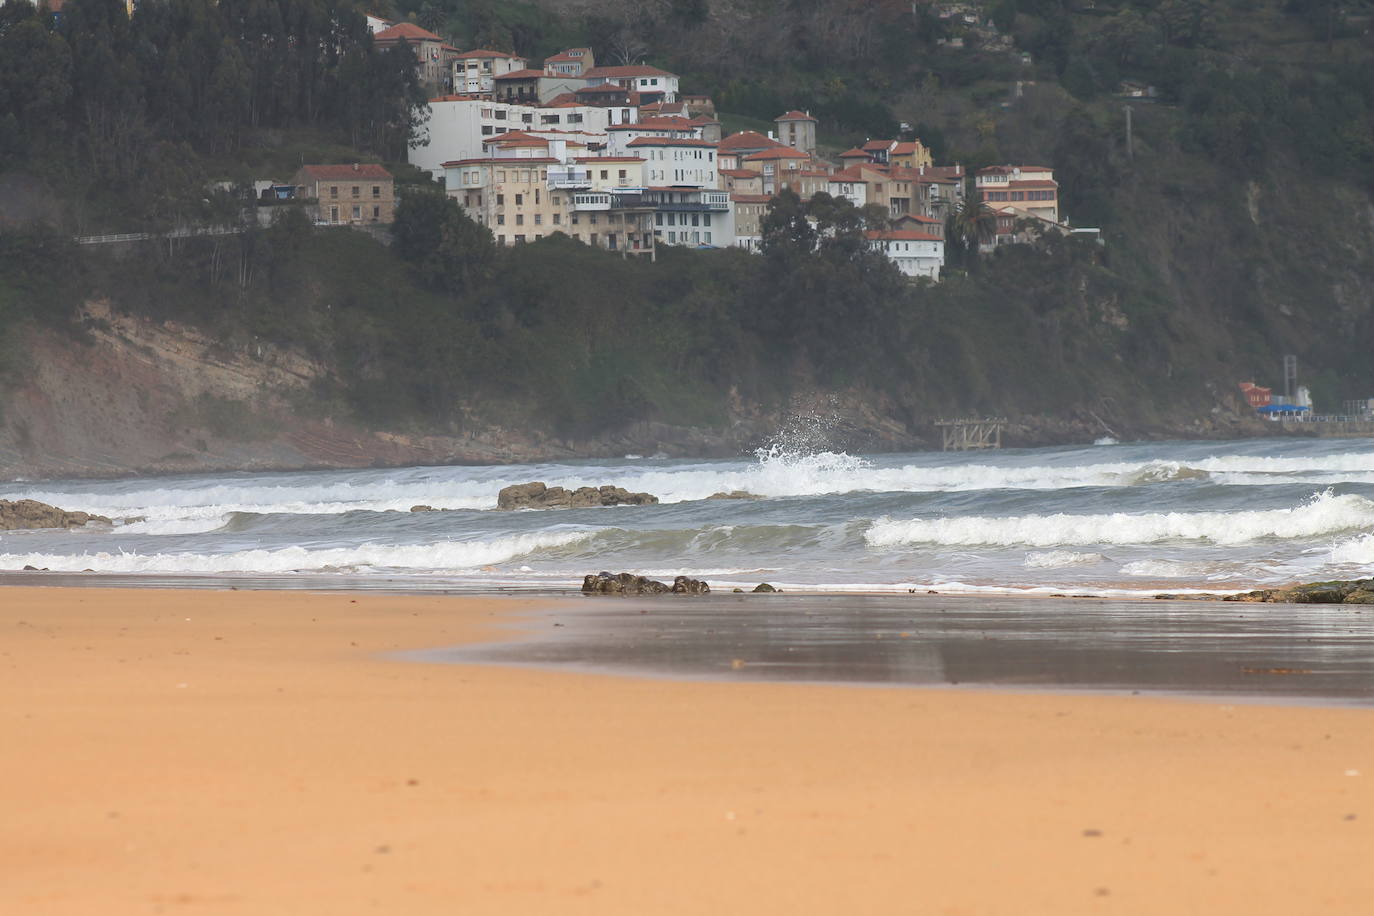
(605, 583)
(1354, 591)
(30, 513)
(537, 495)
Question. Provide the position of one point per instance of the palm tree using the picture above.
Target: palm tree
(973, 222)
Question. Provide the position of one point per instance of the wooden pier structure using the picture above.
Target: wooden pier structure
(962, 435)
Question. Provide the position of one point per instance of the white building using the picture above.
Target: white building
(620, 136)
(1028, 189)
(677, 162)
(474, 71)
(916, 254)
(458, 126)
(652, 84)
(695, 217)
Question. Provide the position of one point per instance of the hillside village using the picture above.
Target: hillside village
(621, 158)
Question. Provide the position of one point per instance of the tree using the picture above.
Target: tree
(450, 251)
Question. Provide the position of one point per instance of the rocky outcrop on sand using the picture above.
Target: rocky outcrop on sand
(538, 496)
(30, 513)
(1355, 591)
(604, 583)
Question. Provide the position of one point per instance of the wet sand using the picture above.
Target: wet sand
(265, 753)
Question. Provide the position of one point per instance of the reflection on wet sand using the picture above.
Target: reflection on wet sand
(1303, 653)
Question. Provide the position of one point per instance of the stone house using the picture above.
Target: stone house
(347, 194)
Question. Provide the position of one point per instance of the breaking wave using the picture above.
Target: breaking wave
(446, 556)
(1324, 514)
(1059, 559)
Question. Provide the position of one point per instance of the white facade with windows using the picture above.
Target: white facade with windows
(916, 254)
(457, 128)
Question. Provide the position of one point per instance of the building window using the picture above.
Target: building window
(501, 239)
(357, 192)
(500, 219)
(334, 192)
(558, 219)
(376, 192)
(706, 219)
(357, 212)
(500, 200)
(333, 214)
(376, 212)
(658, 219)
(605, 174)
(622, 174)
(501, 115)
(486, 130)
(591, 218)
(520, 200)
(519, 219)
(539, 219)
(519, 240)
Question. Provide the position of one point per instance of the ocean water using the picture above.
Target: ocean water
(1109, 519)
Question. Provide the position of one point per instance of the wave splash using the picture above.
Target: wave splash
(1324, 514)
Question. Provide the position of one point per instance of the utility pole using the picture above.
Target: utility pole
(1130, 146)
(1290, 376)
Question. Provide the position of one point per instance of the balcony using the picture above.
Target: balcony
(569, 179)
(597, 200)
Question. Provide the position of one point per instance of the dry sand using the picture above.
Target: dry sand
(257, 753)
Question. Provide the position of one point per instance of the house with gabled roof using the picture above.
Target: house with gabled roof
(572, 62)
(779, 165)
(652, 84)
(433, 56)
(916, 254)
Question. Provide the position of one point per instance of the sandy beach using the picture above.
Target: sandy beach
(259, 753)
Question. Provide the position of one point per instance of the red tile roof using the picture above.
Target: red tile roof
(575, 54)
(1048, 183)
(747, 140)
(604, 89)
(667, 123)
(902, 235)
(526, 74)
(492, 160)
(906, 148)
(740, 173)
(877, 145)
(341, 172)
(750, 198)
(776, 152)
(407, 30)
(609, 159)
(854, 153)
(625, 72)
(670, 141)
(918, 218)
(795, 115)
(483, 52)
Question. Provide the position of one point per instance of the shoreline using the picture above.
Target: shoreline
(243, 752)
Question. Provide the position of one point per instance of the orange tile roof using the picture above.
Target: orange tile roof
(525, 74)
(569, 55)
(795, 115)
(751, 198)
(609, 159)
(854, 153)
(407, 30)
(741, 173)
(877, 145)
(341, 172)
(1047, 183)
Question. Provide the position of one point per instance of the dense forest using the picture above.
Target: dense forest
(1237, 220)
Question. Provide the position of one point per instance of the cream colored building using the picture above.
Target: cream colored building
(509, 196)
(797, 129)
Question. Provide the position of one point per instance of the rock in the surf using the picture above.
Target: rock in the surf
(605, 583)
(537, 495)
(685, 586)
(1354, 591)
(30, 513)
(734, 494)
(764, 587)
(423, 508)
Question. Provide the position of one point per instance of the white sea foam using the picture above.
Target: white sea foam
(1059, 559)
(1354, 552)
(444, 556)
(1182, 569)
(1105, 440)
(1324, 514)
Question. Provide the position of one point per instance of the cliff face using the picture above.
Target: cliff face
(139, 396)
